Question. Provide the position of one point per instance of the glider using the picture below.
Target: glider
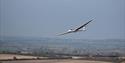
(81, 28)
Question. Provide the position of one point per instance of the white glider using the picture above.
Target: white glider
(81, 28)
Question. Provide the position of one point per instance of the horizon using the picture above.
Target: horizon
(29, 37)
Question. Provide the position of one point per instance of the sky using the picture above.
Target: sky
(47, 18)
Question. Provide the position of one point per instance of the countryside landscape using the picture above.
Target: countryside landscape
(20, 48)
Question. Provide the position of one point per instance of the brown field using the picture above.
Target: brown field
(54, 61)
(5, 57)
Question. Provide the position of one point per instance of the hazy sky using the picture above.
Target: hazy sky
(47, 18)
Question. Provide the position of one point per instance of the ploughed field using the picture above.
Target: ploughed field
(55, 61)
(9, 58)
